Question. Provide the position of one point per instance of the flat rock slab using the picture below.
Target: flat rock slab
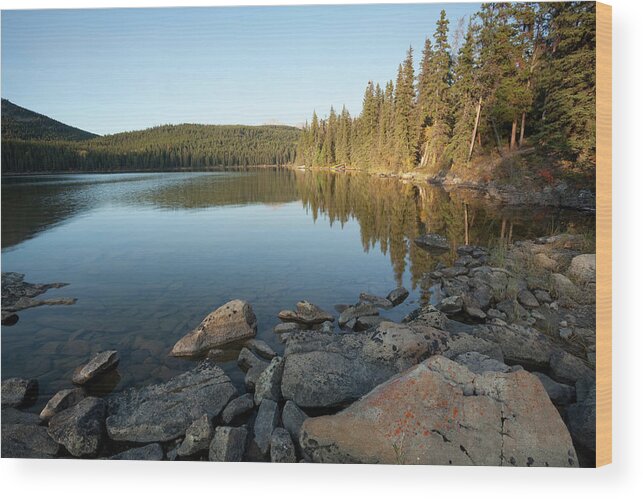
(440, 413)
(98, 364)
(234, 321)
(159, 413)
(331, 370)
(18, 392)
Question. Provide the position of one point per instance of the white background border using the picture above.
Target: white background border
(106, 479)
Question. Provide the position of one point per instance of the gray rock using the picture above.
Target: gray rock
(327, 327)
(355, 311)
(398, 295)
(98, 364)
(367, 322)
(583, 269)
(81, 428)
(159, 413)
(197, 437)
(62, 400)
(377, 301)
(542, 296)
(325, 371)
(26, 441)
(493, 313)
(261, 348)
(18, 392)
(292, 418)
(247, 360)
(475, 313)
(568, 368)
(306, 313)
(268, 385)
(581, 420)
(433, 243)
(460, 343)
(14, 416)
(266, 422)
(559, 393)
(282, 449)
(237, 407)
(286, 328)
(454, 271)
(479, 363)
(228, 444)
(451, 305)
(527, 299)
(427, 315)
(520, 345)
(150, 452)
(234, 321)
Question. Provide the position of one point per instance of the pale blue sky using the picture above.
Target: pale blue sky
(111, 70)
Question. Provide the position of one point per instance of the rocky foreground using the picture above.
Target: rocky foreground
(498, 371)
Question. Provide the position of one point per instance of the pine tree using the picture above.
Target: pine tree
(405, 134)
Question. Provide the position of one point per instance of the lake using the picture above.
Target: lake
(148, 256)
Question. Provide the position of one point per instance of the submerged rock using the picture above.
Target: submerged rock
(331, 370)
(18, 392)
(18, 295)
(81, 428)
(306, 313)
(98, 364)
(231, 322)
(159, 413)
(440, 413)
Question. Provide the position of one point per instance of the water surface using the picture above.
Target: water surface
(149, 255)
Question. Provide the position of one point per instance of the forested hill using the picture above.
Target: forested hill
(162, 148)
(23, 124)
(518, 82)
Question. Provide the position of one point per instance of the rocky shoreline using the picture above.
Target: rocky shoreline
(498, 370)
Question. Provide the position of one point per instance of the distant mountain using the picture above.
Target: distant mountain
(23, 124)
(33, 143)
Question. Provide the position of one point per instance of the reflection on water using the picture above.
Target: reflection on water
(149, 255)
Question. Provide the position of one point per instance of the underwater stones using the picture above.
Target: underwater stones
(233, 321)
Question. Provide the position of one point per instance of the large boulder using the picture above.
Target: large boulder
(81, 428)
(331, 370)
(306, 313)
(234, 321)
(97, 365)
(228, 444)
(439, 412)
(163, 412)
(18, 392)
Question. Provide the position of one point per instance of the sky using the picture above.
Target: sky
(113, 70)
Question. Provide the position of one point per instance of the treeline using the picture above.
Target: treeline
(519, 74)
(160, 148)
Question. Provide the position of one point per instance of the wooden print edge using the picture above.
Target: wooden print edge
(603, 234)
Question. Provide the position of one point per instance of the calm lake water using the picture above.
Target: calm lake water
(148, 256)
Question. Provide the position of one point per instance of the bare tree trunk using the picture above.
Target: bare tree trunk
(475, 129)
(522, 130)
(514, 129)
